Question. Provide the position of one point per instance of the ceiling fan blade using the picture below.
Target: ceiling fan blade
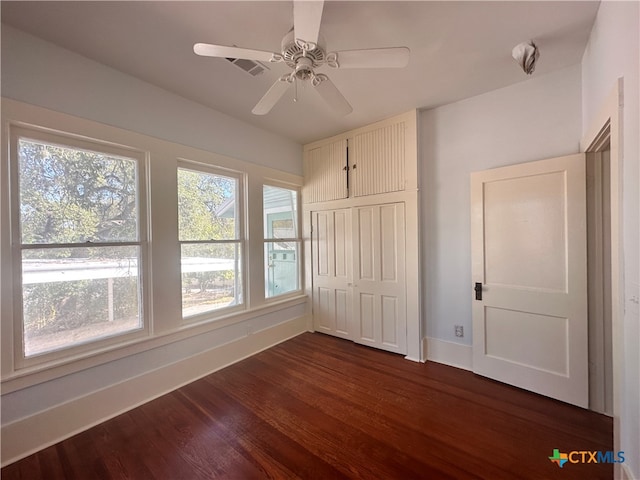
(307, 15)
(395, 57)
(272, 96)
(329, 92)
(208, 50)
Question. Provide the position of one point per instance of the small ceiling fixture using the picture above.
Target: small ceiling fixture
(526, 54)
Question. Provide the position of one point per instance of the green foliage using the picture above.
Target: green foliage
(59, 306)
(74, 196)
(201, 201)
(82, 198)
(206, 211)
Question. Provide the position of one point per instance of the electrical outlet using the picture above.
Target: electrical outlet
(459, 331)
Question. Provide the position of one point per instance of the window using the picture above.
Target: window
(209, 229)
(79, 239)
(282, 241)
(113, 244)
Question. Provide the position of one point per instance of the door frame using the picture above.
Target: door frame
(607, 125)
(599, 276)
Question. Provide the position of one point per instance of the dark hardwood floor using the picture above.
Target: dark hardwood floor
(325, 408)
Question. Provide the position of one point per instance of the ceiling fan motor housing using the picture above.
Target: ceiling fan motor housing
(293, 52)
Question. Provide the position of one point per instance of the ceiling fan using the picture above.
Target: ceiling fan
(303, 51)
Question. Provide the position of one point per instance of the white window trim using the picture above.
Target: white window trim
(298, 240)
(69, 140)
(199, 167)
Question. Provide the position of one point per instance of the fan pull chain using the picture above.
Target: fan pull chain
(295, 90)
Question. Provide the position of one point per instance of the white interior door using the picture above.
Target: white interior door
(331, 250)
(379, 307)
(528, 228)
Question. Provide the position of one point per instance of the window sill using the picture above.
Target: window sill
(33, 375)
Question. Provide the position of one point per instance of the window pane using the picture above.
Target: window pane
(76, 295)
(280, 212)
(207, 206)
(281, 258)
(282, 272)
(211, 277)
(70, 195)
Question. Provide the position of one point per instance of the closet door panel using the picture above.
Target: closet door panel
(379, 315)
(343, 310)
(367, 316)
(366, 239)
(331, 253)
(389, 320)
(324, 311)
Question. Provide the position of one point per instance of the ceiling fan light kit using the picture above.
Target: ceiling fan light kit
(302, 50)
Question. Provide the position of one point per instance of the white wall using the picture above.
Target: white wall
(535, 119)
(40, 73)
(42, 407)
(613, 52)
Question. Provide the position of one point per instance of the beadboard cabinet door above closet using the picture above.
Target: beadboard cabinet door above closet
(368, 161)
(377, 161)
(326, 172)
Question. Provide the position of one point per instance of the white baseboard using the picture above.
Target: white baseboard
(449, 353)
(31, 434)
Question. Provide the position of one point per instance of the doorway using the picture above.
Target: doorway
(599, 274)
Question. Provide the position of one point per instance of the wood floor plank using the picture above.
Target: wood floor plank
(321, 407)
(279, 456)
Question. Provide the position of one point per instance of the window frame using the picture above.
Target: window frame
(73, 141)
(166, 330)
(298, 240)
(241, 240)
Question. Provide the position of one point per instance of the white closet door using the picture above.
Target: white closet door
(331, 250)
(379, 306)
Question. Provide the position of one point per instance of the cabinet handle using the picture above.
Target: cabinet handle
(354, 166)
(345, 168)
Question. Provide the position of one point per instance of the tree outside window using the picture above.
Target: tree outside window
(210, 238)
(80, 244)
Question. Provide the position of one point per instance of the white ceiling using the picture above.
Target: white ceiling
(458, 50)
